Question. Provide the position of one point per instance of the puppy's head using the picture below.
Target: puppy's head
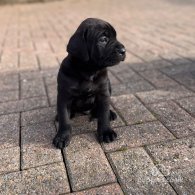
(95, 41)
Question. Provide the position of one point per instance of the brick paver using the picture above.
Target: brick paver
(38, 116)
(49, 179)
(36, 145)
(139, 135)
(10, 160)
(10, 130)
(176, 154)
(183, 181)
(153, 96)
(103, 190)
(131, 109)
(23, 105)
(87, 164)
(32, 88)
(137, 173)
(188, 104)
(177, 120)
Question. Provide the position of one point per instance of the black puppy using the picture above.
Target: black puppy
(83, 83)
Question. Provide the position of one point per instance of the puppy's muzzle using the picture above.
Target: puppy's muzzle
(121, 52)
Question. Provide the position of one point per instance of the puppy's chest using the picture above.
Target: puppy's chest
(87, 88)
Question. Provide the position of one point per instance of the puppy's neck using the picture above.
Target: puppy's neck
(87, 70)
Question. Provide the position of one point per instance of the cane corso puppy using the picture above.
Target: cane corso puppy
(83, 83)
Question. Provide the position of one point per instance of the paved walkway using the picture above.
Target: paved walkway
(153, 94)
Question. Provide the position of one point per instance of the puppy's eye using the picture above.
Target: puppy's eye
(103, 40)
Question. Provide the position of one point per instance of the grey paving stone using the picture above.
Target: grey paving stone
(23, 105)
(37, 147)
(38, 116)
(138, 135)
(140, 65)
(112, 189)
(132, 109)
(160, 95)
(178, 69)
(174, 58)
(81, 124)
(158, 79)
(131, 82)
(10, 160)
(137, 173)
(32, 88)
(122, 67)
(113, 79)
(9, 130)
(50, 72)
(188, 104)
(124, 72)
(187, 79)
(9, 95)
(152, 64)
(173, 155)
(46, 180)
(178, 121)
(139, 85)
(87, 163)
(52, 93)
(9, 81)
(34, 74)
(183, 180)
(51, 80)
(119, 89)
(159, 63)
(11, 183)
(30, 75)
(147, 55)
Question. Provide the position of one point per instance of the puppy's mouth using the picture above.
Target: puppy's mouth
(112, 60)
(115, 62)
(122, 57)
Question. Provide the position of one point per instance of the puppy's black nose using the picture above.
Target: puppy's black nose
(121, 51)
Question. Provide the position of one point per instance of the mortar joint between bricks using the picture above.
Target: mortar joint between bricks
(154, 162)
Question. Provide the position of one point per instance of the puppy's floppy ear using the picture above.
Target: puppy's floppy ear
(77, 45)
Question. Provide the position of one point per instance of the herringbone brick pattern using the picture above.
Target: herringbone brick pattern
(153, 94)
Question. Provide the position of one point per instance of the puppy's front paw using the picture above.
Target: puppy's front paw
(107, 136)
(61, 140)
(113, 115)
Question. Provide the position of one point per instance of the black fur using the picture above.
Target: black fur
(83, 83)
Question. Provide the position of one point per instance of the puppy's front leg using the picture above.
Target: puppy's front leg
(105, 132)
(63, 136)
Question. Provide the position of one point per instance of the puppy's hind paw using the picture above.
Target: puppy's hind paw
(61, 140)
(107, 136)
